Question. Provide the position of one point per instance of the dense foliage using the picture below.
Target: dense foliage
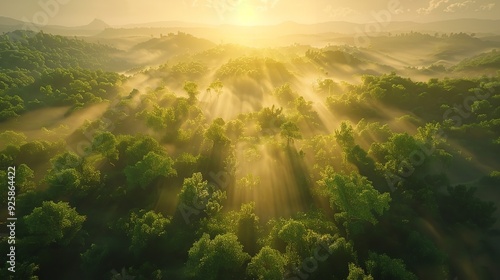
(233, 167)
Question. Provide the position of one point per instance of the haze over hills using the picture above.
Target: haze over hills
(94, 27)
(176, 150)
(482, 27)
(6, 21)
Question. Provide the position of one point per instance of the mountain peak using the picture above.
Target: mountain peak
(97, 24)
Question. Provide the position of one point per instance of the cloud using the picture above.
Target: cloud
(433, 5)
(457, 6)
(487, 7)
(453, 6)
(400, 11)
(341, 12)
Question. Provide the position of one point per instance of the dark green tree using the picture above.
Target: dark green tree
(144, 228)
(385, 267)
(105, 143)
(218, 258)
(54, 223)
(268, 264)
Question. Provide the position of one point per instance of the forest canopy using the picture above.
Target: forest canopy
(225, 161)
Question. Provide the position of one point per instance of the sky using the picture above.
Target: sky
(244, 12)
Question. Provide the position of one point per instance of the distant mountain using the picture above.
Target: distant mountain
(96, 24)
(165, 24)
(9, 24)
(478, 26)
(5, 21)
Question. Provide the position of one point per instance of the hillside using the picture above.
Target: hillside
(483, 61)
(175, 155)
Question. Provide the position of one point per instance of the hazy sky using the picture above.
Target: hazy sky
(118, 12)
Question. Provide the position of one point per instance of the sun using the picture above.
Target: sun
(246, 14)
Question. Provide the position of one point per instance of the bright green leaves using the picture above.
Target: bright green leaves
(354, 196)
(149, 168)
(10, 137)
(197, 194)
(218, 258)
(292, 231)
(357, 273)
(144, 227)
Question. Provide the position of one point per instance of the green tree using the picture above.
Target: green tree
(235, 128)
(357, 273)
(270, 119)
(13, 138)
(23, 182)
(306, 108)
(191, 88)
(65, 160)
(462, 206)
(54, 223)
(63, 182)
(290, 131)
(159, 118)
(218, 258)
(294, 234)
(481, 107)
(216, 132)
(24, 270)
(285, 94)
(94, 257)
(139, 147)
(345, 136)
(144, 227)
(268, 264)
(24, 179)
(248, 227)
(384, 267)
(354, 197)
(149, 168)
(105, 143)
(216, 86)
(197, 195)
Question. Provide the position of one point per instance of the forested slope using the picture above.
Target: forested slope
(245, 163)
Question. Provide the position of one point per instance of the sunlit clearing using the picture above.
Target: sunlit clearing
(244, 96)
(273, 181)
